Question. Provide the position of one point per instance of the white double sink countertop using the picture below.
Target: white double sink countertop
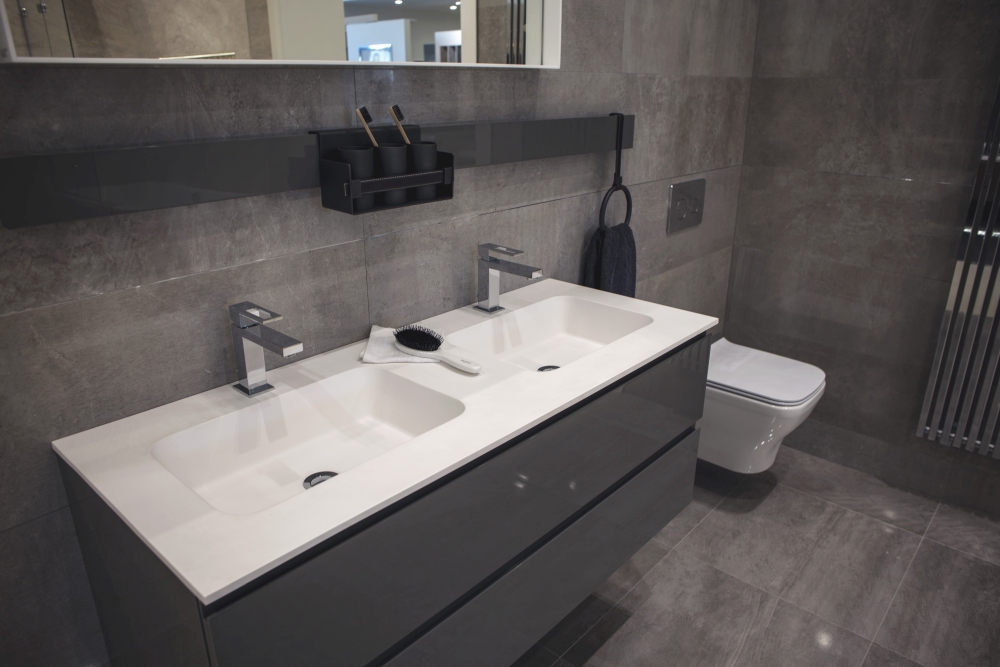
(215, 552)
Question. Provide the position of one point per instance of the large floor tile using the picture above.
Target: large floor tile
(761, 533)
(629, 574)
(684, 612)
(947, 610)
(851, 573)
(852, 489)
(879, 656)
(536, 656)
(960, 529)
(793, 638)
(576, 624)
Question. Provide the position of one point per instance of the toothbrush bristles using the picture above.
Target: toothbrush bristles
(397, 112)
(364, 114)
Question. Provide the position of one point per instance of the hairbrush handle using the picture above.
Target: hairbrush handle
(449, 358)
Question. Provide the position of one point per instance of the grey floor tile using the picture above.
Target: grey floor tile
(761, 533)
(961, 529)
(576, 624)
(794, 637)
(684, 612)
(851, 573)
(629, 574)
(946, 612)
(711, 485)
(852, 489)
(536, 656)
(879, 656)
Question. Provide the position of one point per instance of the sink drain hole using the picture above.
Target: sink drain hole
(317, 478)
(546, 369)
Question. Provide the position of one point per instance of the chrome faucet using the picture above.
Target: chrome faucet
(250, 339)
(489, 274)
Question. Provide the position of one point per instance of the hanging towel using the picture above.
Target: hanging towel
(610, 261)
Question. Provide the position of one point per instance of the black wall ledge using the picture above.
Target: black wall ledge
(44, 189)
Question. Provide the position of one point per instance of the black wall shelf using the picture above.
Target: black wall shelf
(43, 189)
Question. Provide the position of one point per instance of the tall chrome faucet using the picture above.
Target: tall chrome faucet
(250, 339)
(490, 268)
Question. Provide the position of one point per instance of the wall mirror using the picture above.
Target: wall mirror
(524, 33)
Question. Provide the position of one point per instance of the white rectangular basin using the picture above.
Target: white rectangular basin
(256, 457)
(553, 332)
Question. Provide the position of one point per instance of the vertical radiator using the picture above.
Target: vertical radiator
(962, 404)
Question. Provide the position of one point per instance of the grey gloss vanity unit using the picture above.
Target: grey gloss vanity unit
(471, 569)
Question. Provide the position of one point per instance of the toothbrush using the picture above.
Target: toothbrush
(365, 119)
(397, 115)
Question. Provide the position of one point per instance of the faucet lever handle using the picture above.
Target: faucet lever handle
(486, 249)
(247, 314)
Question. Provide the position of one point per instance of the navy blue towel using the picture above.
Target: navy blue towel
(610, 262)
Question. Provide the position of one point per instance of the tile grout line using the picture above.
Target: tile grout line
(669, 551)
(900, 585)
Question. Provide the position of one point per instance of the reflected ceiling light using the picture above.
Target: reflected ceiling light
(459, 3)
(399, 2)
(453, 7)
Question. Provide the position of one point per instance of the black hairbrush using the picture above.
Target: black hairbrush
(422, 342)
(397, 115)
(365, 119)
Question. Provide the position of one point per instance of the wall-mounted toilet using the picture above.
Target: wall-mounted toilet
(753, 400)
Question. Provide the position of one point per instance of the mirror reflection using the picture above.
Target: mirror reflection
(398, 31)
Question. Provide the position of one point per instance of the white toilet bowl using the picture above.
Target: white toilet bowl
(753, 400)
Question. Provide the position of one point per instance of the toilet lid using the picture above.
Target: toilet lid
(762, 375)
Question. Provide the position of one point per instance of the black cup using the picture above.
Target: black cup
(424, 156)
(393, 158)
(362, 161)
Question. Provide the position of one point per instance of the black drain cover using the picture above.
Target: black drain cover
(545, 369)
(317, 478)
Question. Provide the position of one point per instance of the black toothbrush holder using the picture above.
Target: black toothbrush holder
(352, 174)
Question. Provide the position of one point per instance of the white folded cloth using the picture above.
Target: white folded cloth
(381, 349)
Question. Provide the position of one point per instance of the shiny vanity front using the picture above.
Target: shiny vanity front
(466, 515)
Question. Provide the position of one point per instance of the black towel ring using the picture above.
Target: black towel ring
(618, 185)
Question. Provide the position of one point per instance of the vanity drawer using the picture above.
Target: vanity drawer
(375, 592)
(505, 620)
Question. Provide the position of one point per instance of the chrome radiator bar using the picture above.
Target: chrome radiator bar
(962, 401)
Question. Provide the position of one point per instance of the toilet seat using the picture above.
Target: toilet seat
(762, 376)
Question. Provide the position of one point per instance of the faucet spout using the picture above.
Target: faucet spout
(490, 268)
(251, 337)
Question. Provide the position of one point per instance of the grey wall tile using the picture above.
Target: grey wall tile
(135, 349)
(47, 618)
(690, 37)
(72, 260)
(657, 251)
(699, 286)
(942, 578)
(898, 226)
(974, 484)
(436, 95)
(422, 272)
(592, 35)
(111, 106)
(866, 310)
(890, 39)
(839, 445)
(864, 393)
(684, 125)
(551, 94)
(924, 130)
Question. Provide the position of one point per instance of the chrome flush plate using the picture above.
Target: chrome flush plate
(687, 200)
